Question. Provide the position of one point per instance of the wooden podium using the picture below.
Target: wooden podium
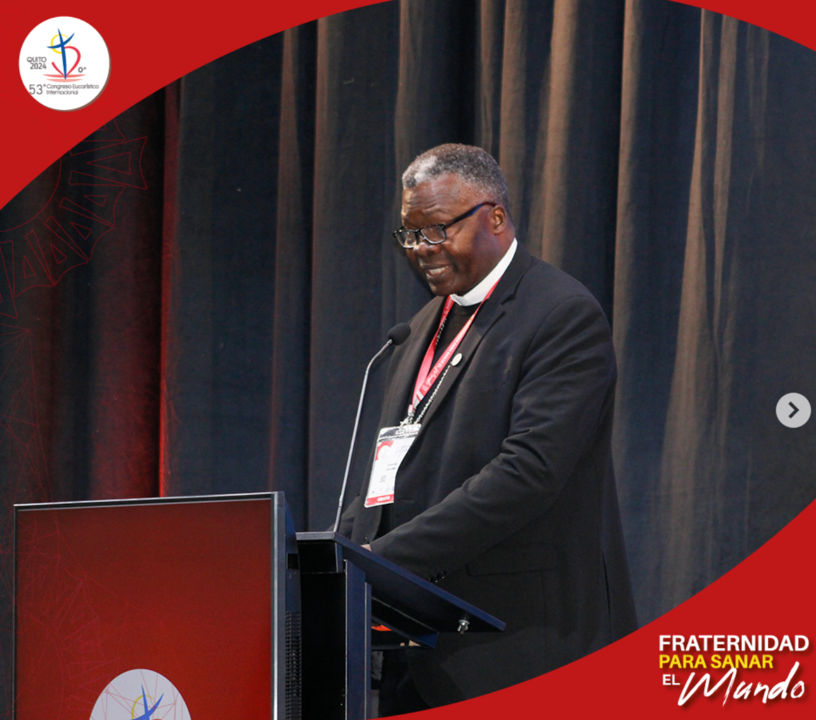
(210, 604)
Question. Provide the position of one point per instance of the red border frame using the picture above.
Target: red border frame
(153, 43)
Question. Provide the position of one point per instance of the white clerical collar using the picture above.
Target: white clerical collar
(478, 293)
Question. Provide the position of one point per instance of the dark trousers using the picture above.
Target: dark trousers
(398, 694)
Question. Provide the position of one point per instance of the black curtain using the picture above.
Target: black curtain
(221, 267)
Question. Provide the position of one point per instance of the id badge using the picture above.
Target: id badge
(392, 445)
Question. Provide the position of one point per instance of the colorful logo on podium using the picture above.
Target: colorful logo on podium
(140, 695)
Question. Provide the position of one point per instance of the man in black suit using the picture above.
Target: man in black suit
(493, 474)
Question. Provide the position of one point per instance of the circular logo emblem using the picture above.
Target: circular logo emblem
(64, 63)
(140, 695)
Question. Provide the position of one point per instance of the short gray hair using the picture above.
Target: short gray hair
(473, 165)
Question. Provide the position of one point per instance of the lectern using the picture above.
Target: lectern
(199, 607)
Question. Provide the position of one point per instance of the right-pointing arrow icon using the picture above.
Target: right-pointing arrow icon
(793, 410)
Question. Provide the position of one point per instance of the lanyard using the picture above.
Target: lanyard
(427, 375)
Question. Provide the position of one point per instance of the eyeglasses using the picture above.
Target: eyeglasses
(431, 234)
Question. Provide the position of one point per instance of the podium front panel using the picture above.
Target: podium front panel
(122, 605)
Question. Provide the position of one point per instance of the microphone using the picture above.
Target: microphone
(396, 336)
(399, 333)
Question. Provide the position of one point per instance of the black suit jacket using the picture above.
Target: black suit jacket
(507, 496)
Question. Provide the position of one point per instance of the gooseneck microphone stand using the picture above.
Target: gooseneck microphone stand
(396, 336)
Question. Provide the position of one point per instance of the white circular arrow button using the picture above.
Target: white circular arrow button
(793, 410)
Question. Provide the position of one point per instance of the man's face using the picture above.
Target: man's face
(472, 248)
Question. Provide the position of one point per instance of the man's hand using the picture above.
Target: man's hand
(367, 547)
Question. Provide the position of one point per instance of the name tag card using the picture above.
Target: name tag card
(392, 445)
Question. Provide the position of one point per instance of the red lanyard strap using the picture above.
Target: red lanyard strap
(427, 375)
